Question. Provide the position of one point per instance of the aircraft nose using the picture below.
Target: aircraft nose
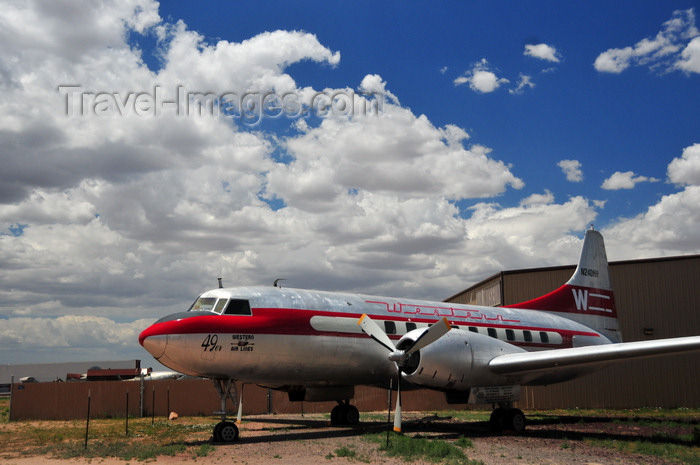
(155, 345)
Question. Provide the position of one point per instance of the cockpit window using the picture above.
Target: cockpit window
(238, 307)
(220, 305)
(203, 304)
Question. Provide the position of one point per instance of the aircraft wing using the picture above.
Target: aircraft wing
(551, 361)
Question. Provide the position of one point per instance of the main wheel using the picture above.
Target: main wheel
(350, 414)
(345, 414)
(515, 420)
(336, 415)
(226, 431)
(496, 420)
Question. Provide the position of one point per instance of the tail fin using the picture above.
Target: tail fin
(587, 297)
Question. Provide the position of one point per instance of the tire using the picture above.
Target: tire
(496, 420)
(351, 415)
(515, 420)
(226, 431)
(345, 414)
(336, 415)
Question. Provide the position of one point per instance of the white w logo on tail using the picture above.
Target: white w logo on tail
(581, 298)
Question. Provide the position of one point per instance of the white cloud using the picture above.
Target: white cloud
(572, 170)
(110, 221)
(543, 52)
(523, 83)
(481, 79)
(686, 170)
(690, 57)
(624, 180)
(668, 227)
(661, 51)
(398, 153)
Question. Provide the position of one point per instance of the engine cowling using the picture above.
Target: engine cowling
(456, 361)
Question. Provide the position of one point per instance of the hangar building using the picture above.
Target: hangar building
(655, 299)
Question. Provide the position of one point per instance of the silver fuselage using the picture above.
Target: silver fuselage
(292, 337)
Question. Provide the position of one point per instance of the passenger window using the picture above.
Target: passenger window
(492, 332)
(238, 307)
(510, 334)
(528, 336)
(410, 327)
(390, 327)
(544, 337)
(473, 329)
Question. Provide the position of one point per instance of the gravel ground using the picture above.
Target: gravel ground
(288, 439)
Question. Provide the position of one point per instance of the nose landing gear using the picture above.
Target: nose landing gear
(225, 431)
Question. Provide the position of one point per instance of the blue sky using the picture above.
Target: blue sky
(505, 130)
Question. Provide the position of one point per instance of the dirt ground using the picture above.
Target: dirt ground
(288, 439)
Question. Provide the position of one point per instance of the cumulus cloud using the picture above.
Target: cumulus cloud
(542, 52)
(113, 214)
(481, 78)
(686, 169)
(674, 47)
(572, 170)
(689, 60)
(668, 227)
(624, 180)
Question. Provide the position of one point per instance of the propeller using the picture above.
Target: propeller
(400, 356)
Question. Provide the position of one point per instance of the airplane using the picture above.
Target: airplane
(318, 345)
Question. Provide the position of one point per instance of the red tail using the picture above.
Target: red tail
(587, 297)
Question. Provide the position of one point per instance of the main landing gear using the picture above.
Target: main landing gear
(344, 414)
(226, 431)
(505, 417)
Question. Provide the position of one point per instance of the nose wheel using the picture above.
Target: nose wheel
(226, 431)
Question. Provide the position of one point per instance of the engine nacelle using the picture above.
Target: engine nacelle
(456, 361)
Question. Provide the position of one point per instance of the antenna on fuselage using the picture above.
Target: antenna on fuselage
(221, 282)
(275, 284)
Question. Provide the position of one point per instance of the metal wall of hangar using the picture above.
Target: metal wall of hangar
(655, 298)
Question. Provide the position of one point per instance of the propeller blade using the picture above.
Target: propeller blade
(373, 330)
(435, 332)
(397, 411)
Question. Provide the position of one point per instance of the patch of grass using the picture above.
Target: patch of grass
(203, 450)
(345, 452)
(4, 409)
(121, 449)
(675, 452)
(464, 443)
(349, 453)
(412, 448)
(106, 438)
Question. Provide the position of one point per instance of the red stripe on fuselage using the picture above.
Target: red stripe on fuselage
(298, 322)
